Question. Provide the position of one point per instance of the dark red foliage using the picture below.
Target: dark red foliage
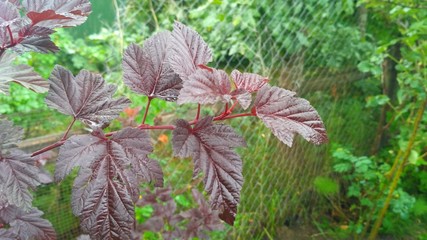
(58, 13)
(146, 70)
(21, 74)
(85, 97)
(25, 224)
(18, 175)
(107, 185)
(31, 32)
(211, 147)
(169, 66)
(285, 114)
(192, 223)
(188, 51)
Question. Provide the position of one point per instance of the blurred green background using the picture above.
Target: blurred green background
(362, 65)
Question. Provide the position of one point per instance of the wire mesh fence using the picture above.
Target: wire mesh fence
(311, 46)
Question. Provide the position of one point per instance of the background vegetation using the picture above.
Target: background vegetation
(362, 64)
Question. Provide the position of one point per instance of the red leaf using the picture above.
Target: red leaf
(27, 224)
(286, 115)
(21, 74)
(188, 50)
(41, 44)
(58, 13)
(107, 185)
(146, 70)
(201, 219)
(206, 87)
(18, 173)
(250, 82)
(243, 97)
(85, 97)
(8, 13)
(9, 135)
(211, 146)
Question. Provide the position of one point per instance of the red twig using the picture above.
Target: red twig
(50, 147)
(11, 36)
(230, 110)
(218, 118)
(160, 127)
(223, 116)
(198, 113)
(68, 129)
(146, 110)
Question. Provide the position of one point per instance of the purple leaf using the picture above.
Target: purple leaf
(8, 13)
(250, 82)
(201, 219)
(41, 44)
(243, 97)
(285, 114)
(27, 224)
(85, 97)
(21, 74)
(17, 3)
(146, 70)
(206, 87)
(107, 184)
(9, 135)
(164, 208)
(7, 234)
(34, 38)
(18, 174)
(188, 50)
(58, 13)
(211, 146)
(78, 150)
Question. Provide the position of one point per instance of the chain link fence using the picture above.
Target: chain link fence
(311, 47)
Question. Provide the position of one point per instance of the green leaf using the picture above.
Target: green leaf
(182, 200)
(413, 157)
(420, 207)
(302, 39)
(378, 100)
(143, 213)
(366, 202)
(353, 191)
(342, 167)
(326, 185)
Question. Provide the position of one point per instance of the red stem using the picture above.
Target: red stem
(233, 116)
(232, 108)
(11, 36)
(146, 111)
(223, 116)
(68, 129)
(198, 113)
(160, 127)
(50, 147)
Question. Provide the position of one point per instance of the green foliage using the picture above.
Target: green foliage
(364, 179)
(326, 186)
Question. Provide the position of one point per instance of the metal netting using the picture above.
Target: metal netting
(311, 46)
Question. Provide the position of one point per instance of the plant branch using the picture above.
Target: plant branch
(142, 126)
(119, 25)
(198, 112)
(399, 172)
(10, 35)
(50, 147)
(146, 110)
(153, 13)
(68, 129)
(160, 127)
(230, 110)
(218, 118)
